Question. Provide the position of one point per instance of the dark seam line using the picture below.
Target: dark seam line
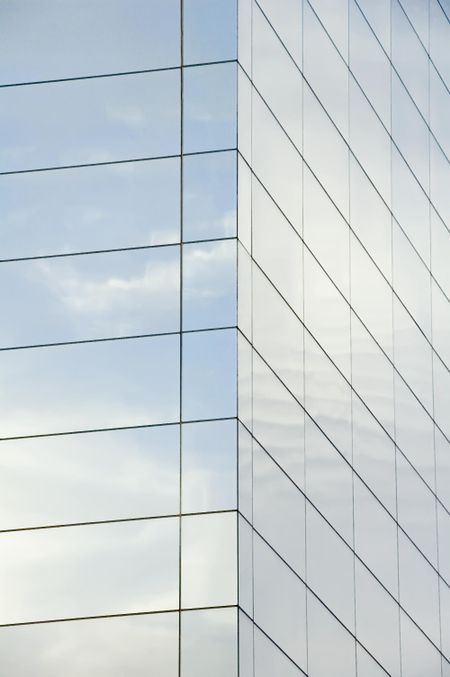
(143, 71)
(334, 284)
(109, 163)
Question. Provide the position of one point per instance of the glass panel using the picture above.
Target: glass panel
(440, 252)
(244, 191)
(98, 120)
(278, 510)
(439, 110)
(209, 113)
(331, 649)
(245, 9)
(286, 18)
(276, 77)
(418, 655)
(244, 293)
(280, 602)
(209, 459)
(64, 388)
(246, 649)
(439, 39)
(106, 647)
(334, 16)
(91, 570)
(209, 375)
(367, 666)
(442, 467)
(439, 180)
(209, 30)
(245, 460)
(209, 643)
(445, 614)
(209, 196)
(278, 422)
(443, 519)
(209, 284)
(62, 479)
(88, 37)
(441, 381)
(245, 559)
(128, 293)
(270, 661)
(441, 323)
(208, 560)
(90, 208)
(328, 481)
(378, 15)
(418, 14)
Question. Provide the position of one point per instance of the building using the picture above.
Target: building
(225, 338)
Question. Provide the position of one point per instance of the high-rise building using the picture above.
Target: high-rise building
(224, 338)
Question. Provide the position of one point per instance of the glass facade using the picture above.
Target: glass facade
(225, 338)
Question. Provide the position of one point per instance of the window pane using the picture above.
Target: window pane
(418, 654)
(209, 643)
(334, 16)
(209, 30)
(286, 18)
(331, 649)
(270, 661)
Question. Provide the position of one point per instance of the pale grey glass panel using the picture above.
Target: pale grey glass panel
(244, 291)
(419, 588)
(128, 293)
(439, 110)
(442, 447)
(409, 58)
(271, 150)
(246, 650)
(331, 649)
(208, 560)
(209, 196)
(325, 151)
(412, 280)
(440, 252)
(334, 16)
(209, 459)
(209, 375)
(419, 656)
(209, 113)
(376, 537)
(276, 77)
(63, 479)
(87, 121)
(209, 644)
(369, 63)
(439, 39)
(327, 396)
(443, 519)
(277, 333)
(276, 247)
(441, 383)
(88, 38)
(371, 296)
(245, 381)
(367, 666)
(278, 510)
(413, 355)
(90, 208)
(286, 19)
(245, 106)
(269, 660)
(328, 481)
(280, 602)
(90, 386)
(209, 284)
(209, 30)
(378, 15)
(244, 215)
(244, 38)
(245, 564)
(410, 205)
(418, 14)
(326, 232)
(410, 132)
(278, 422)
(323, 67)
(330, 568)
(327, 314)
(373, 455)
(377, 620)
(414, 431)
(106, 647)
(439, 180)
(445, 615)
(372, 375)
(441, 323)
(370, 142)
(90, 570)
(245, 462)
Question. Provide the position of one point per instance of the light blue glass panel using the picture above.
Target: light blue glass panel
(209, 30)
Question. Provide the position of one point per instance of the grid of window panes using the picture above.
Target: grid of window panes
(224, 338)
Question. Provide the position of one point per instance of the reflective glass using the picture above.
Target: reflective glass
(419, 656)
(89, 570)
(209, 112)
(88, 386)
(245, 563)
(74, 298)
(209, 284)
(270, 661)
(378, 14)
(88, 37)
(209, 196)
(367, 666)
(209, 30)
(331, 649)
(208, 464)
(245, 382)
(443, 520)
(244, 188)
(439, 110)
(90, 208)
(244, 292)
(441, 323)
(245, 463)
(439, 179)
(209, 643)
(445, 615)
(278, 510)
(106, 647)
(87, 121)
(280, 602)
(440, 252)
(244, 36)
(418, 14)
(209, 374)
(442, 447)
(62, 479)
(439, 39)
(246, 650)
(208, 560)
(286, 19)
(441, 381)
